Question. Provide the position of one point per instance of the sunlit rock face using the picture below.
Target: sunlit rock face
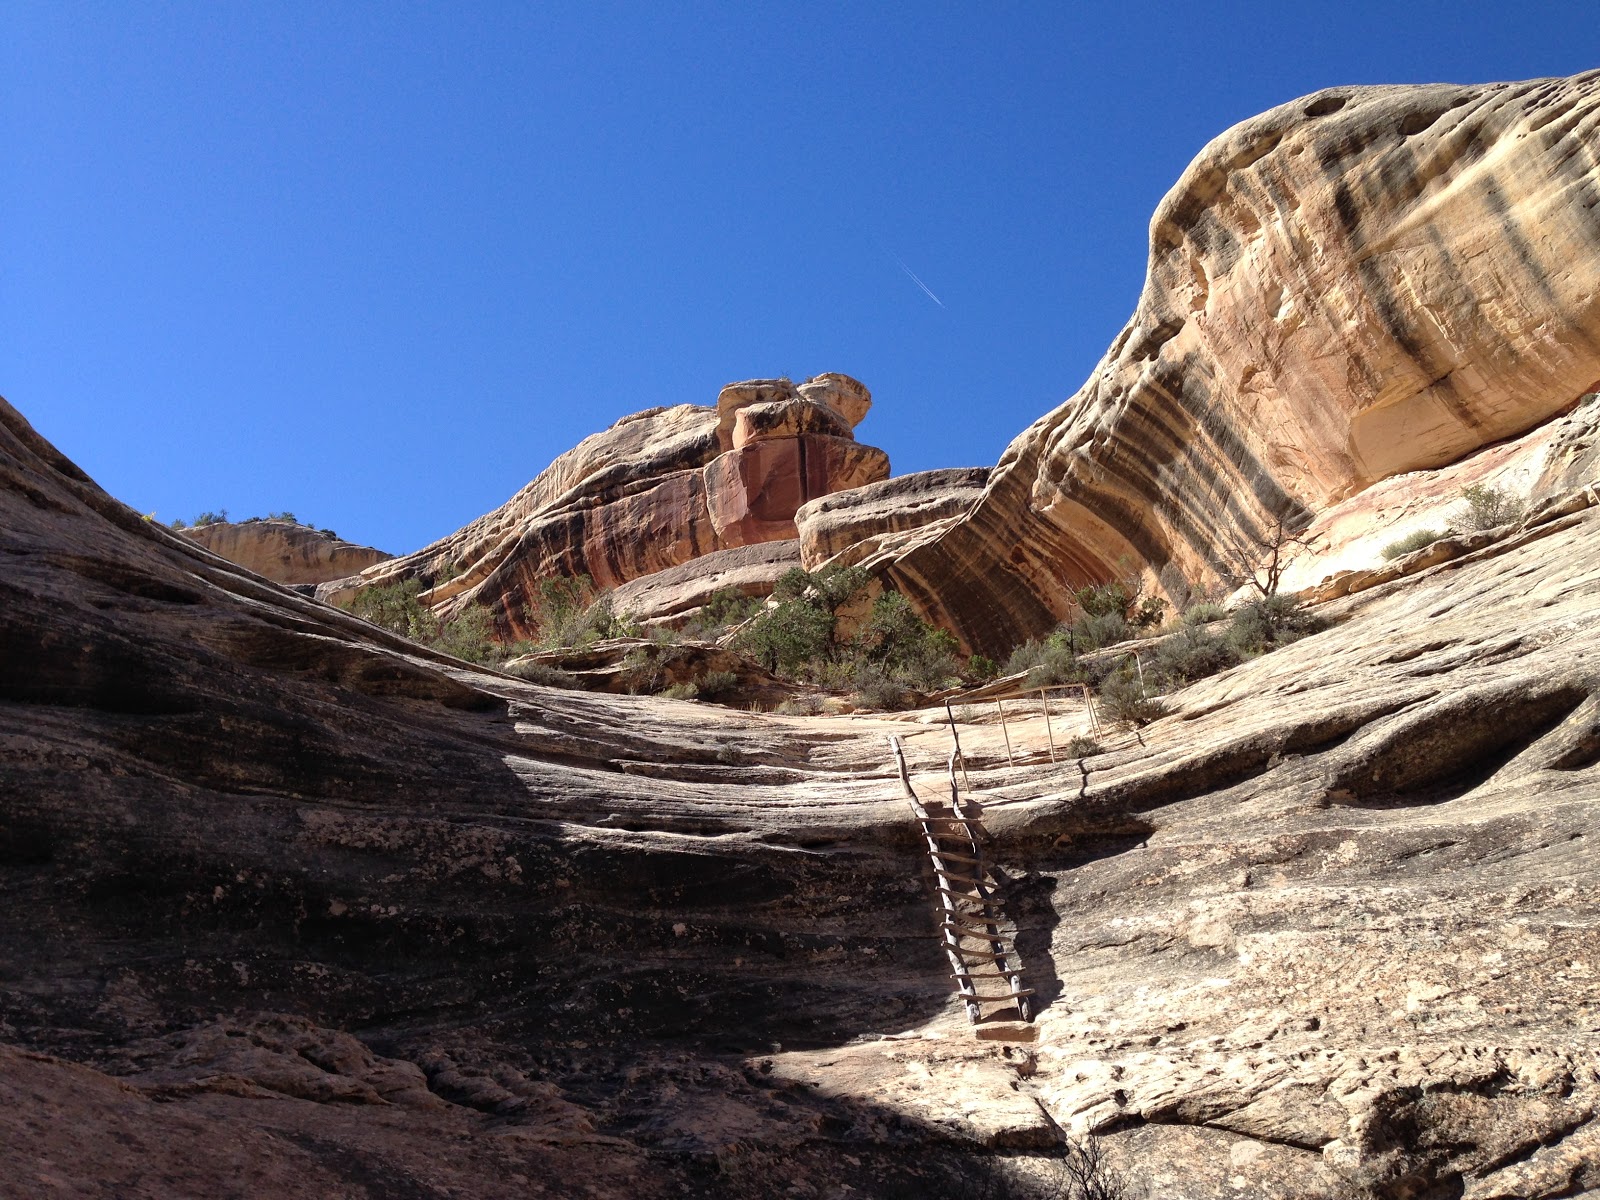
(657, 490)
(1363, 282)
(285, 552)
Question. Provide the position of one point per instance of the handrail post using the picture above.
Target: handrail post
(1044, 703)
(956, 738)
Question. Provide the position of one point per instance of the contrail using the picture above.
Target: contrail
(918, 282)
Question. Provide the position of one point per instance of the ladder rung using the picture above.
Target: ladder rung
(1018, 994)
(977, 931)
(999, 978)
(954, 857)
(987, 955)
(968, 880)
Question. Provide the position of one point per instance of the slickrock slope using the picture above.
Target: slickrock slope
(290, 905)
(1360, 283)
(656, 490)
(284, 551)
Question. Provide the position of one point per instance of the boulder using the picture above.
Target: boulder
(672, 596)
(847, 397)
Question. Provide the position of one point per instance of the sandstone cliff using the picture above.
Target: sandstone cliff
(284, 551)
(1360, 283)
(656, 490)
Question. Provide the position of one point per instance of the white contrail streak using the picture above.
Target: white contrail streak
(918, 282)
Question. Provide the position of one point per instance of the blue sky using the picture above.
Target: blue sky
(379, 264)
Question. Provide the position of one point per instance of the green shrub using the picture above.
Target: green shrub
(876, 688)
(805, 705)
(1485, 507)
(789, 636)
(1024, 658)
(469, 636)
(1105, 599)
(1124, 698)
(1191, 654)
(1414, 540)
(714, 685)
(220, 517)
(1082, 747)
(283, 516)
(981, 668)
(643, 670)
(397, 607)
(1095, 631)
(1204, 613)
(1056, 664)
(1271, 622)
(567, 612)
(682, 691)
(543, 674)
(916, 653)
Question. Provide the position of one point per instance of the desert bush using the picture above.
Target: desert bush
(1191, 654)
(283, 516)
(914, 652)
(876, 687)
(725, 608)
(1271, 622)
(398, 608)
(981, 668)
(714, 685)
(220, 517)
(1056, 664)
(789, 636)
(1123, 697)
(395, 607)
(643, 670)
(568, 612)
(682, 691)
(1415, 540)
(1024, 657)
(1094, 631)
(1486, 507)
(1082, 747)
(805, 705)
(1203, 613)
(542, 673)
(469, 636)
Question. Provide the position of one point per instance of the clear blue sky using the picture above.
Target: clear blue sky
(379, 263)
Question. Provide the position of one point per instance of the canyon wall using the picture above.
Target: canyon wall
(285, 551)
(1363, 282)
(656, 490)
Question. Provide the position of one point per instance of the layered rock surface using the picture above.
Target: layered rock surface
(1363, 282)
(848, 527)
(284, 551)
(1328, 930)
(656, 490)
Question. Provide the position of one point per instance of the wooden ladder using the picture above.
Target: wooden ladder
(969, 902)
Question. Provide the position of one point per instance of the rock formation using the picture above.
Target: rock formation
(847, 527)
(656, 490)
(674, 595)
(1360, 283)
(298, 907)
(285, 551)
